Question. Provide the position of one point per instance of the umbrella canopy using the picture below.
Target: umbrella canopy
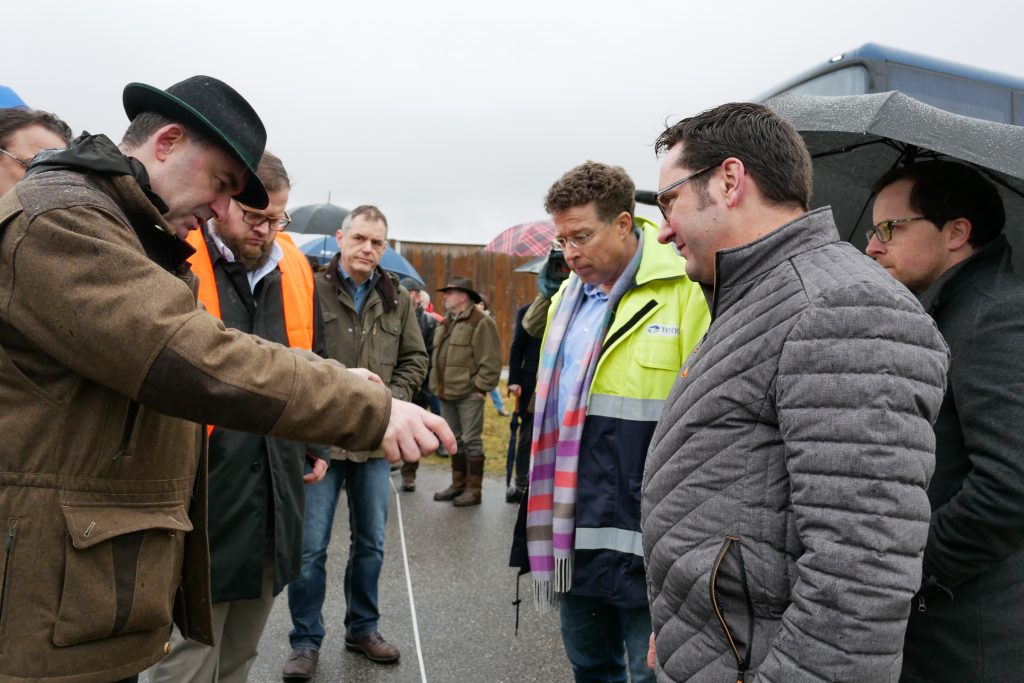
(10, 100)
(322, 249)
(525, 239)
(855, 139)
(320, 219)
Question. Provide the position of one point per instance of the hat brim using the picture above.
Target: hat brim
(472, 295)
(139, 97)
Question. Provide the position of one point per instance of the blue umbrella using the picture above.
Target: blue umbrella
(324, 247)
(10, 100)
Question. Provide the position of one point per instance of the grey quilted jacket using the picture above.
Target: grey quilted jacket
(784, 511)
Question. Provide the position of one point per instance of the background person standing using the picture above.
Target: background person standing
(466, 366)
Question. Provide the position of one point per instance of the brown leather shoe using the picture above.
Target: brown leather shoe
(374, 647)
(301, 664)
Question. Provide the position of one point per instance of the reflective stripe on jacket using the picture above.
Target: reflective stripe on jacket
(656, 325)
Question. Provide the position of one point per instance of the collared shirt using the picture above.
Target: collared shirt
(579, 338)
(358, 292)
(254, 276)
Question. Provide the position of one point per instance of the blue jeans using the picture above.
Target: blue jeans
(597, 635)
(368, 485)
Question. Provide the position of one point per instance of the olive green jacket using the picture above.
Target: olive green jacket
(467, 355)
(385, 339)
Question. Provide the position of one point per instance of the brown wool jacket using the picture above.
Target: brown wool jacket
(467, 355)
(104, 360)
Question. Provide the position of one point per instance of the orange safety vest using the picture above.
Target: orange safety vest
(297, 288)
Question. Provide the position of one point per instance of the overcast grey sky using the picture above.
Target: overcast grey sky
(455, 117)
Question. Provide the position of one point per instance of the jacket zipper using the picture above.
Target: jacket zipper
(742, 661)
(12, 533)
(129, 427)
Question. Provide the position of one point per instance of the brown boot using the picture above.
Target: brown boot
(458, 479)
(471, 496)
(409, 475)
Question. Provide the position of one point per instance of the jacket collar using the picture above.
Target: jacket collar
(126, 180)
(739, 268)
(96, 154)
(995, 255)
(385, 284)
(658, 261)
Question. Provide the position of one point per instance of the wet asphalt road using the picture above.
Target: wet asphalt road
(463, 591)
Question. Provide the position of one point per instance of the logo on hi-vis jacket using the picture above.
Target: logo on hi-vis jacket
(663, 330)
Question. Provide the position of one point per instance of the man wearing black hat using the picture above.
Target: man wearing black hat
(466, 366)
(106, 366)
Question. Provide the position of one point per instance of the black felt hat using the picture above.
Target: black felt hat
(216, 110)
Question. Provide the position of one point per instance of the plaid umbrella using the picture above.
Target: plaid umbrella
(525, 239)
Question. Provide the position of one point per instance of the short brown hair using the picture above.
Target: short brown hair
(272, 173)
(609, 187)
(371, 212)
(13, 120)
(771, 150)
(148, 123)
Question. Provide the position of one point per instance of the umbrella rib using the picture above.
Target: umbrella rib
(849, 148)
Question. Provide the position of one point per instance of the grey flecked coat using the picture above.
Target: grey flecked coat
(784, 493)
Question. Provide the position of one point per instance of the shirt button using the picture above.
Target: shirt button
(256, 466)
(167, 648)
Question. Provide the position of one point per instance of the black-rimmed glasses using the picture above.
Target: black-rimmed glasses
(664, 203)
(883, 229)
(256, 218)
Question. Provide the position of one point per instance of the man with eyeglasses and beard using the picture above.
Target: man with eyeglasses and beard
(617, 333)
(256, 280)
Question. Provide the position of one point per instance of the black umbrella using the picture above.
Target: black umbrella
(855, 139)
(321, 219)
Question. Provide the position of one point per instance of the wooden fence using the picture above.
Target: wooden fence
(492, 274)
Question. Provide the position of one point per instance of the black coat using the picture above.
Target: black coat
(523, 359)
(256, 488)
(966, 622)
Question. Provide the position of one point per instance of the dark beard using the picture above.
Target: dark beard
(250, 263)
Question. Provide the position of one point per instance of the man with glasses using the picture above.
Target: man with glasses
(938, 229)
(255, 280)
(618, 331)
(371, 324)
(784, 505)
(23, 134)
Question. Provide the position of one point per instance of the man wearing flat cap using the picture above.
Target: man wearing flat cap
(466, 365)
(107, 365)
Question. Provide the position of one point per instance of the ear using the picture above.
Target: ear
(337, 237)
(624, 223)
(959, 234)
(733, 181)
(167, 140)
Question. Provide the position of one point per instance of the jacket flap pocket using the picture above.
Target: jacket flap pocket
(660, 354)
(89, 525)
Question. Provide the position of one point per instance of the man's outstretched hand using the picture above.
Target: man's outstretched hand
(413, 432)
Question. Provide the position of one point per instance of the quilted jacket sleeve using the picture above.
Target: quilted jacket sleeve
(860, 382)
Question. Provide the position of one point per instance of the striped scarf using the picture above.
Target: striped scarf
(551, 508)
